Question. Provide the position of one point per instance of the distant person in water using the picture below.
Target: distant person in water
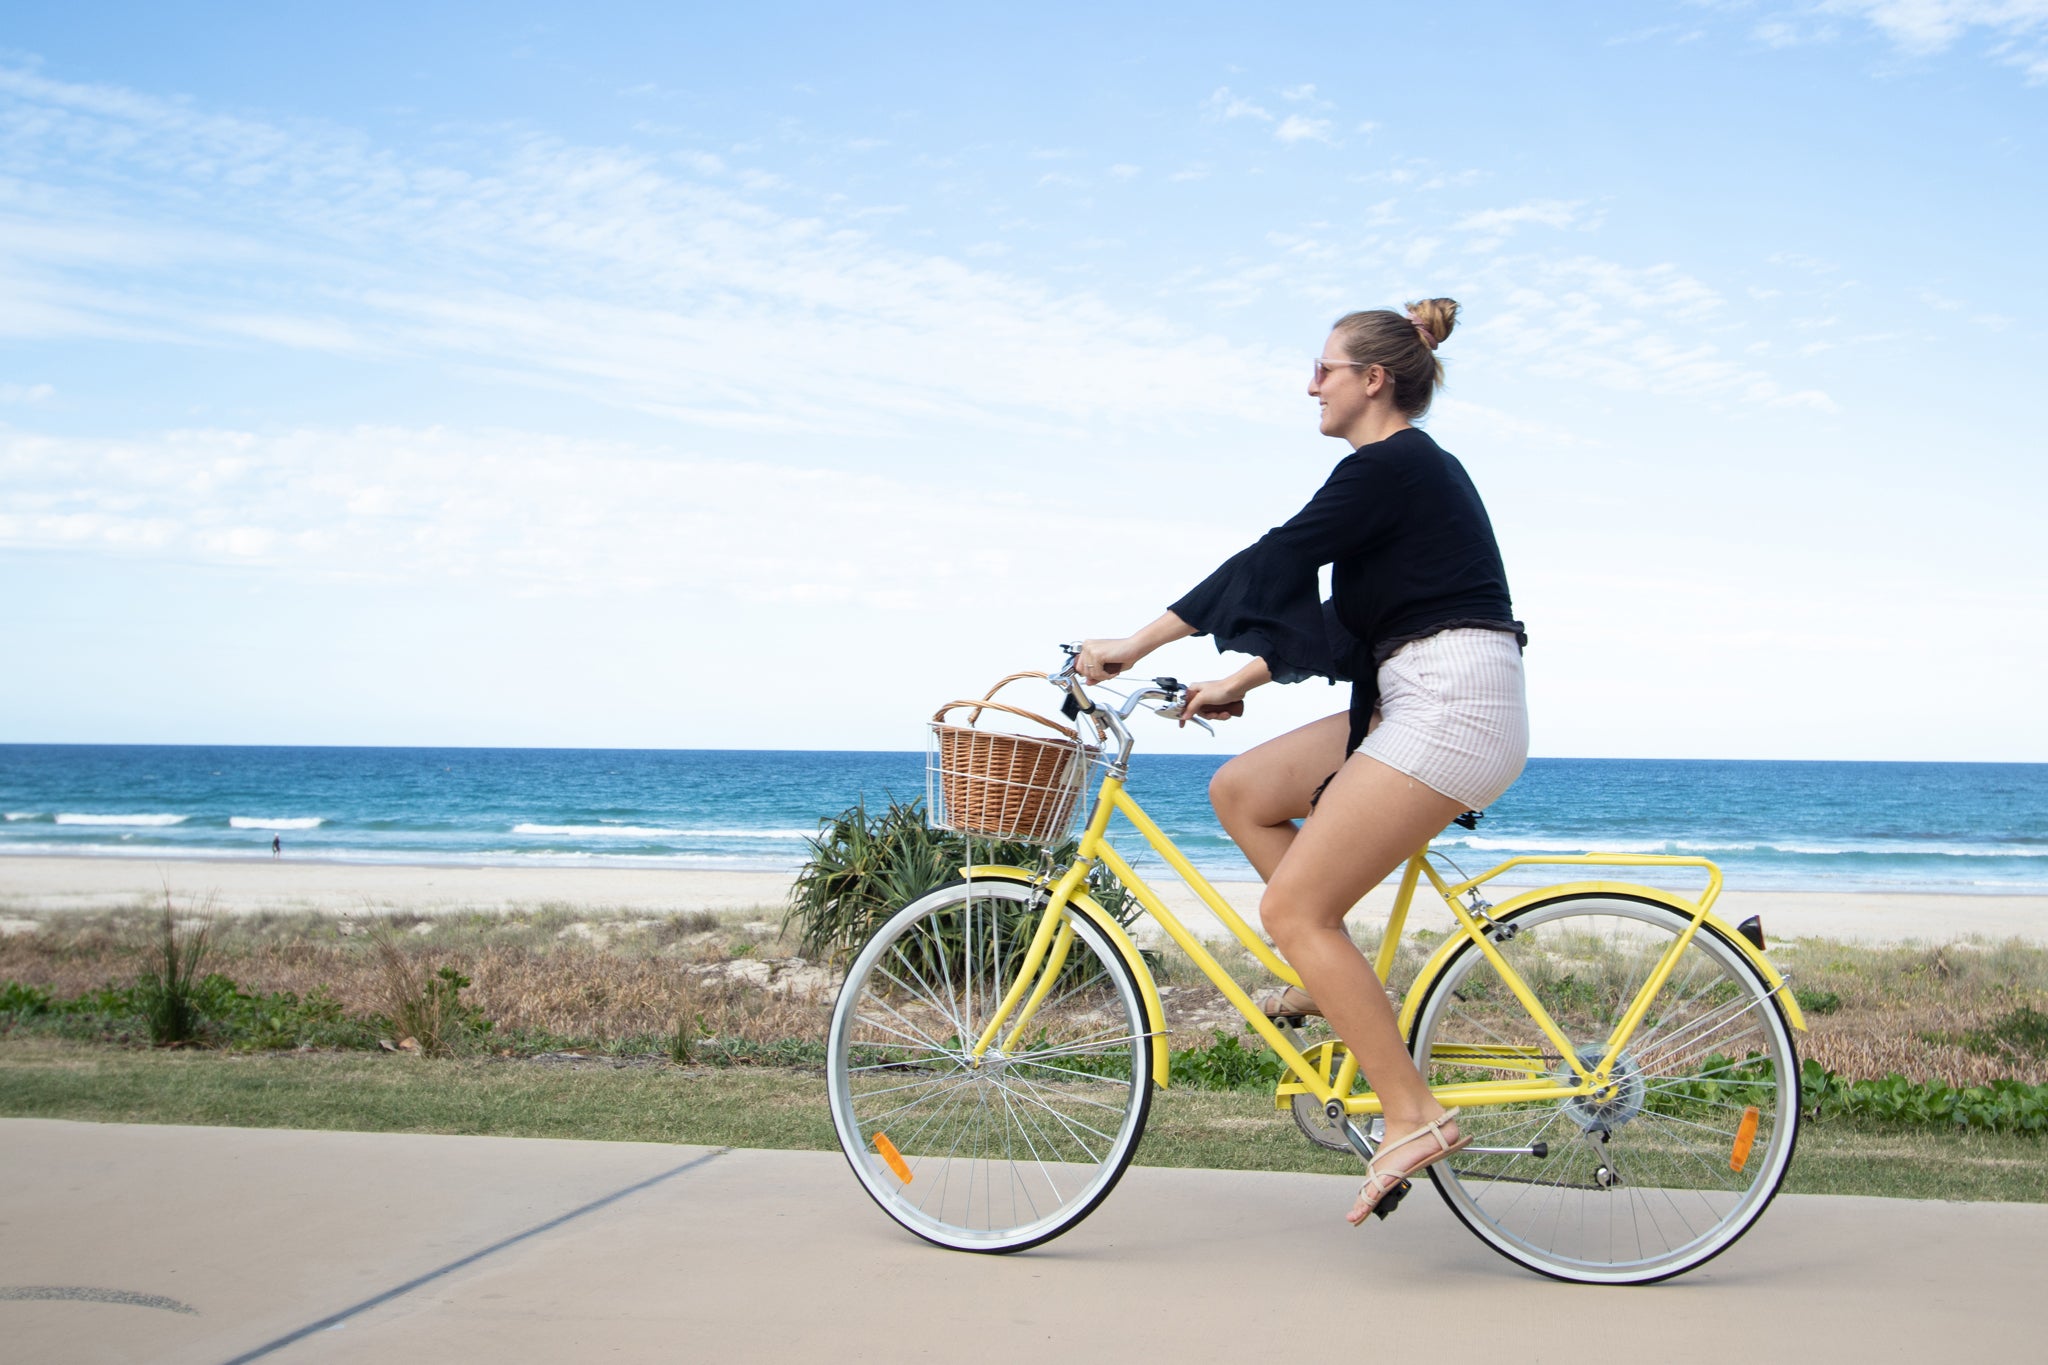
(276, 846)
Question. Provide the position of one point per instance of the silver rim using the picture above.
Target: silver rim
(1639, 1184)
(1007, 1152)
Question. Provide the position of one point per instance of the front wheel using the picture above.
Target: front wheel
(1011, 1148)
(1678, 1157)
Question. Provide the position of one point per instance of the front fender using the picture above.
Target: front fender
(1148, 990)
(1623, 890)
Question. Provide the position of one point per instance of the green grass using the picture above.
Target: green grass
(781, 1108)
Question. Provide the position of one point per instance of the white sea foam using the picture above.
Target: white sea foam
(140, 821)
(283, 822)
(24, 815)
(600, 831)
(659, 832)
(752, 833)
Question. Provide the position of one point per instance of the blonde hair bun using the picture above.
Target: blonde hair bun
(1437, 316)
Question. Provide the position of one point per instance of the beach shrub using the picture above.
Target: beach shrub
(170, 988)
(865, 866)
(220, 1014)
(2020, 1034)
(426, 1007)
(1815, 1001)
(1226, 1064)
(282, 1020)
(23, 1002)
(2004, 1106)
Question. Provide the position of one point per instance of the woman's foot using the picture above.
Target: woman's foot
(1402, 1157)
(1291, 1002)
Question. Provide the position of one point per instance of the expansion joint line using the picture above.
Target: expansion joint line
(336, 1319)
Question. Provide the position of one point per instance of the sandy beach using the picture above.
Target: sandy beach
(44, 884)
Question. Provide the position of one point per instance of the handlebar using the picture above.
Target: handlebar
(1170, 692)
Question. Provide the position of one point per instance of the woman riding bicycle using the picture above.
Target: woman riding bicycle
(1421, 624)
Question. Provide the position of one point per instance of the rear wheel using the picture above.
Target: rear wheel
(1010, 1149)
(1681, 1154)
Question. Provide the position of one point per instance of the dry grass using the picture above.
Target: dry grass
(590, 977)
(1898, 1002)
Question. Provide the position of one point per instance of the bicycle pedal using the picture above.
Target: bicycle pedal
(1391, 1200)
(1290, 1020)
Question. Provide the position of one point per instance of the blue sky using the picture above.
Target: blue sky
(679, 376)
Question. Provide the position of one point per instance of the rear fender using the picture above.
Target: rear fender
(1623, 891)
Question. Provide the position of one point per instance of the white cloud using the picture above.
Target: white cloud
(1123, 170)
(2017, 29)
(1923, 27)
(25, 393)
(1554, 213)
(1223, 104)
(1296, 128)
(632, 280)
(1305, 94)
(531, 513)
(1779, 33)
(1631, 329)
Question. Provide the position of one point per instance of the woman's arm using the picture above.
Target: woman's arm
(1102, 659)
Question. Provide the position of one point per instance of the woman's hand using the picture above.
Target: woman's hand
(1219, 700)
(1104, 659)
(1101, 659)
(1224, 698)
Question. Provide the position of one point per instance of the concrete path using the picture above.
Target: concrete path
(213, 1244)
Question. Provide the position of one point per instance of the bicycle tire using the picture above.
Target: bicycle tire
(1657, 1176)
(1013, 1150)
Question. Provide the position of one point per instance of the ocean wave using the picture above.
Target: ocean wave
(24, 815)
(282, 822)
(1687, 847)
(137, 821)
(658, 832)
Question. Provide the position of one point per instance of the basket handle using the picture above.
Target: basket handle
(986, 704)
(1002, 683)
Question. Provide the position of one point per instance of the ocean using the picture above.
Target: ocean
(1979, 828)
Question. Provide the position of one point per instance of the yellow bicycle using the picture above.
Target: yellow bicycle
(1623, 1058)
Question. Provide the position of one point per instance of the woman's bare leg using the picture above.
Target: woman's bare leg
(1370, 820)
(1261, 793)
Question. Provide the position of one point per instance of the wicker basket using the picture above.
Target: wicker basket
(1007, 786)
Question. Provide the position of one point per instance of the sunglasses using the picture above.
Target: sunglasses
(1323, 367)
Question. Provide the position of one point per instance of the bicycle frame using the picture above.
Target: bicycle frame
(1054, 937)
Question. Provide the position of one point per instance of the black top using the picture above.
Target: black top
(1412, 553)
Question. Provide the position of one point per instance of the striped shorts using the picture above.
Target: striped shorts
(1453, 715)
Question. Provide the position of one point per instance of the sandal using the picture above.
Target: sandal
(1387, 1189)
(1293, 1004)
(1290, 1003)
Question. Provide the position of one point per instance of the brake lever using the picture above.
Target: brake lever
(1177, 713)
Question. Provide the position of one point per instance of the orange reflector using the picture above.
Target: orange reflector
(895, 1158)
(1745, 1135)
